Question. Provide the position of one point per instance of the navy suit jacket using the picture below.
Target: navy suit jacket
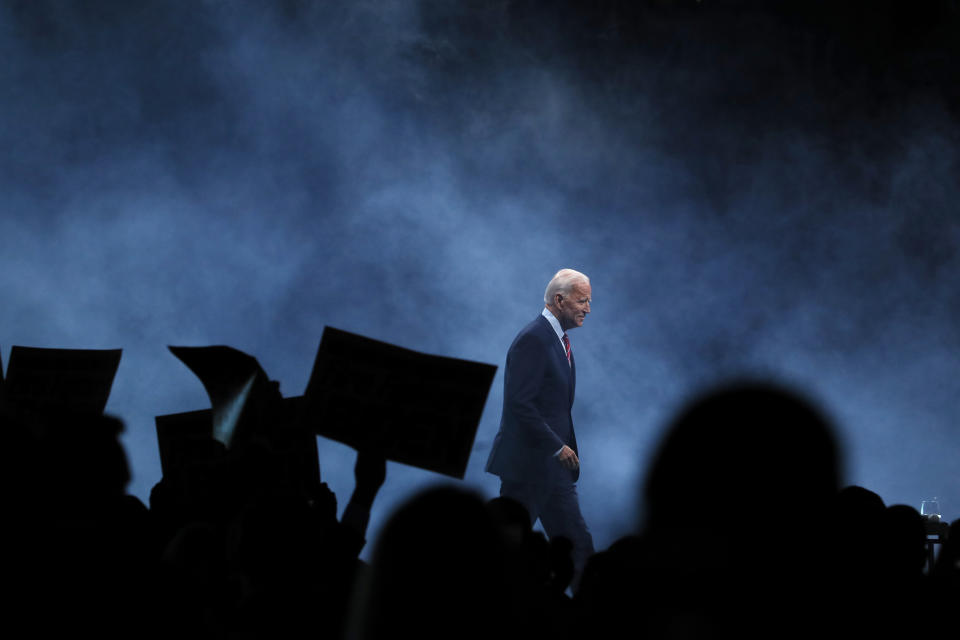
(538, 389)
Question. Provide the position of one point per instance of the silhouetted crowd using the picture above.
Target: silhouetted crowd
(745, 532)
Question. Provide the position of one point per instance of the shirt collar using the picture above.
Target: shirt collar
(552, 319)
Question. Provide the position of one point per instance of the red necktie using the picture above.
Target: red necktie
(566, 347)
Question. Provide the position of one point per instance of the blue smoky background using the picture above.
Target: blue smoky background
(755, 189)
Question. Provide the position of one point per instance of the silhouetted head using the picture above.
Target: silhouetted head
(744, 453)
(948, 562)
(84, 459)
(511, 518)
(437, 570)
(859, 513)
(905, 539)
(739, 496)
(859, 502)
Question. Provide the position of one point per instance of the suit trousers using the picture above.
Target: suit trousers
(558, 508)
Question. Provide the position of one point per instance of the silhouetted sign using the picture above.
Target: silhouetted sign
(60, 380)
(229, 376)
(184, 437)
(2, 400)
(187, 438)
(419, 409)
(244, 404)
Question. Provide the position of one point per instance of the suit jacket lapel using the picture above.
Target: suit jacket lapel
(557, 345)
(559, 352)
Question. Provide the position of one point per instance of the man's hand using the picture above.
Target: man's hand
(568, 458)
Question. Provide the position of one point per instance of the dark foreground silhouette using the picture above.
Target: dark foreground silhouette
(744, 533)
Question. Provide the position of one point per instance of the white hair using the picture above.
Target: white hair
(563, 282)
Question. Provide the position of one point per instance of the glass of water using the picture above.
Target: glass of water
(930, 509)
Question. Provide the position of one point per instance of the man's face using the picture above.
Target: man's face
(574, 306)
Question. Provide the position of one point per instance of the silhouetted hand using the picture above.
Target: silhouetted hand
(325, 501)
(370, 471)
(568, 458)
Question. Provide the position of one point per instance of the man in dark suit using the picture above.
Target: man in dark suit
(535, 451)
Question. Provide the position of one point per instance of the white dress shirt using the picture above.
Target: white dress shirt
(552, 319)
